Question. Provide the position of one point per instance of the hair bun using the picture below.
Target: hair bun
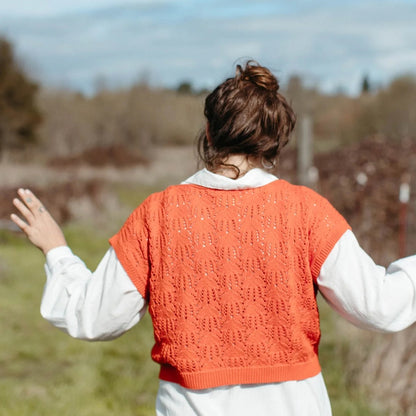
(258, 75)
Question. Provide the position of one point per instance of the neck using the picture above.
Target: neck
(242, 162)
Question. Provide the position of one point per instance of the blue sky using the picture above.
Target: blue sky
(331, 43)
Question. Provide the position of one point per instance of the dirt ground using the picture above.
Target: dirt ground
(169, 164)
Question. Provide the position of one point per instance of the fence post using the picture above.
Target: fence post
(404, 197)
(306, 172)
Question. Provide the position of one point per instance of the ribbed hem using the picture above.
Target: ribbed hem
(232, 376)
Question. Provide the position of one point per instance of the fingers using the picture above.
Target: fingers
(28, 197)
(31, 201)
(36, 222)
(27, 213)
(19, 222)
(29, 207)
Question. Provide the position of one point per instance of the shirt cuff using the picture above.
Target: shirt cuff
(56, 254)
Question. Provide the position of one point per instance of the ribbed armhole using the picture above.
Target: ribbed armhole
(327, 247)
(129, 266)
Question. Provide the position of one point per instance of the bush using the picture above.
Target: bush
(19, 115)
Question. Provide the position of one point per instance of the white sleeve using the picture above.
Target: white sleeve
(365, 294)
(91, 306)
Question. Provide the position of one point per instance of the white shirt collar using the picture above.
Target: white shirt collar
(252, 179)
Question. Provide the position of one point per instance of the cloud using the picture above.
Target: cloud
(337, 48)
(333, 44)
(49, 8)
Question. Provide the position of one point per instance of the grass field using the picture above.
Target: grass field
(44, 372)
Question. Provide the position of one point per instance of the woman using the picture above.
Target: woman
(228, 264)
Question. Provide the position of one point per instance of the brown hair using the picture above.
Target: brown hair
(246, 115)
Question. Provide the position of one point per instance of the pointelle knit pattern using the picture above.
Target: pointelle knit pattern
(230, 280)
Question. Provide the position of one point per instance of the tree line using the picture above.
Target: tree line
(66, 122)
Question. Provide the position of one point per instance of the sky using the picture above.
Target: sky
(332, 44)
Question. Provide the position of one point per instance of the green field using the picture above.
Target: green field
(45, 372)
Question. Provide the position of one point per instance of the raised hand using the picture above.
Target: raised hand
(39, 226)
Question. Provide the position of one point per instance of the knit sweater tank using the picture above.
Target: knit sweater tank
(230, 277)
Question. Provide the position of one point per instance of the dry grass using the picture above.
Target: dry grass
(387, 368)
(85, 192)
(138, 118)
(172, 163)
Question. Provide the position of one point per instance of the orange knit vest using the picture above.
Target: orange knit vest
(230, 280)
